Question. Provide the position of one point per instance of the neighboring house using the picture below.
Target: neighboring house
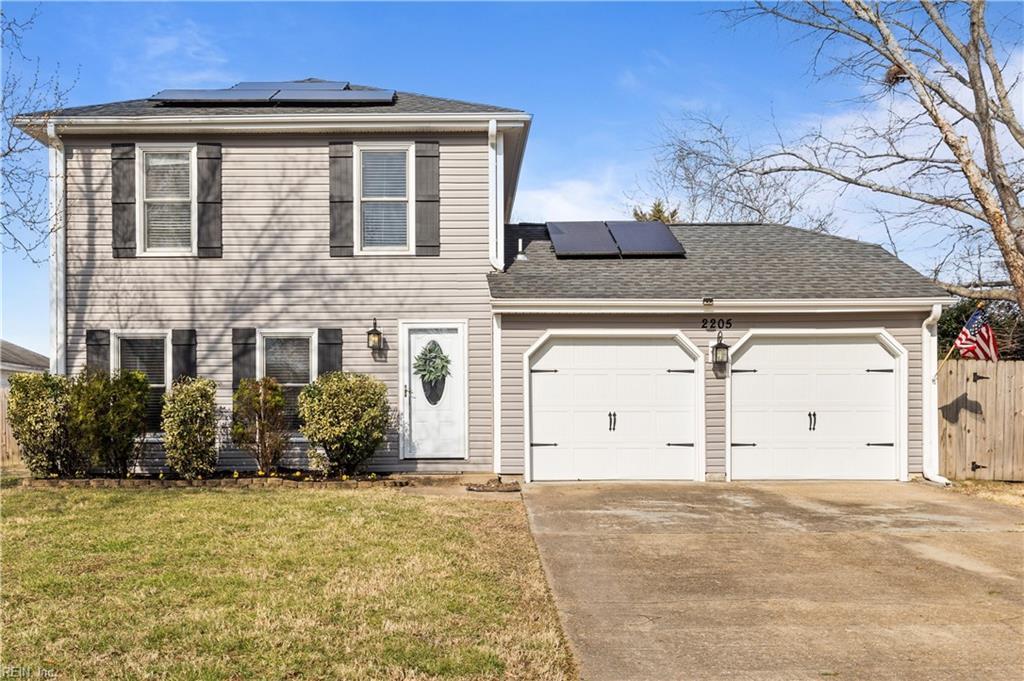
(265, 229)
(15, 359)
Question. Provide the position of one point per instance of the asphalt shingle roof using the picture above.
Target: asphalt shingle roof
(405, 103)
(15, 354)
(724, 261)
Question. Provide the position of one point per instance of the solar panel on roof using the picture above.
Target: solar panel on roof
(645, 239)
(347, 96)
(215, 95)
(582, 239)
(291, 85)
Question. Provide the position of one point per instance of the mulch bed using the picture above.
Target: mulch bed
(494, 485)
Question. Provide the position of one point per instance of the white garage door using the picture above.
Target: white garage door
(814, 408)
(613, 409)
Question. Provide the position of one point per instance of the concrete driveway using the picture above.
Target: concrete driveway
(783, 581)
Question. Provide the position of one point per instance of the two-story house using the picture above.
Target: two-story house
(283, 228)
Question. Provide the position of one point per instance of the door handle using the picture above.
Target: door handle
(609, 422)
(814, 420)
(809, 420)
(615, 420)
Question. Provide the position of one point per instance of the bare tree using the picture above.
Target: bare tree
(938, 137)
(26, 218)
(702, 166)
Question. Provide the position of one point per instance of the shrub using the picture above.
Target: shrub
(346, 415)
(107, 418)
(258, 423)
(189, 420)
(38, 414)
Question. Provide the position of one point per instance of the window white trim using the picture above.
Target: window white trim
(115, 349)
(140, 199)
(261, 334)
(115, 361)
(357, 197)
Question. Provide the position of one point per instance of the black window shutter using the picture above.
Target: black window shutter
(341, 181)
(428, 199)
(243, 355)
(97, 350)
(122, 199)
(328, 351)
(208, 199)
(183, 353)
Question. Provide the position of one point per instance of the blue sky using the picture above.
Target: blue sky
(600, 80)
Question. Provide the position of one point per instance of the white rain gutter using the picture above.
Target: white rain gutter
(696, 305)
(58, 254)
(930, 397)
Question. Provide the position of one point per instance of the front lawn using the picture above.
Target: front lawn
(273, 584)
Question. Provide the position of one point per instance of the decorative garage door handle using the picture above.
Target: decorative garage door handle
(543, 444)
(609, 422)
(809, 421)
(814, 420)
(615, 420)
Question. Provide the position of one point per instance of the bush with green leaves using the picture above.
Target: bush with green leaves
(189, 420)
(38, 414)
(258, 423)
(345, 417)
(107, 418)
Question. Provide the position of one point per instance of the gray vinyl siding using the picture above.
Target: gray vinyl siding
(276, 270)
(519, 332)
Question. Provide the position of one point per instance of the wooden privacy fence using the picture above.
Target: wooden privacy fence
(981, 420)
(9, 452)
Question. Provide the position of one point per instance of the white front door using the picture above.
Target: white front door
(613, 409)
(434, 416)
(813, 408)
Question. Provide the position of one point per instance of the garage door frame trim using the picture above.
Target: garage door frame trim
(883, 337)
(673, 334)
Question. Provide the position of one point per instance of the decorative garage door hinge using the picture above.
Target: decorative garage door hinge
(881, 444)
(543, 371)
(680, 371)
(744, 371)
(543, 444)
(744, 444)
(879, 371)
(678, 444)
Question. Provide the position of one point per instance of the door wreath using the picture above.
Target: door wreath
(432, 365)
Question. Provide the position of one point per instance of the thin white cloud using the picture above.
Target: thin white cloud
(169, 54)
(589, 198)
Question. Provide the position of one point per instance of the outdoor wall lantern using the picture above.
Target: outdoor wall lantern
(720, 354)
(374, 337)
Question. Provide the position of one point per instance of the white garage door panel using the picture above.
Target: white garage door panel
(576, 383)
(829, 377)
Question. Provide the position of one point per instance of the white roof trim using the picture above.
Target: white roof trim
(277, 122)
(604, 305)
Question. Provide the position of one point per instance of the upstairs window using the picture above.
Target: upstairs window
(167, 208)
(384, 178)
(148, 355)
(288, 359)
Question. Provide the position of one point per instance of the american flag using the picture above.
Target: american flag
(976, 340)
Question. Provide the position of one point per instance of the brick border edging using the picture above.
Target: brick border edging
(241, 483)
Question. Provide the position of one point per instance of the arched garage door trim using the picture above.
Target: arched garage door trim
(883, 337)
(674, 334)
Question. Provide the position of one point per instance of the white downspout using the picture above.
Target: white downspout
(495, 211)
(58, 246)
(930, 397)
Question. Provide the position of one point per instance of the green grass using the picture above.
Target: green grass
(273, 584)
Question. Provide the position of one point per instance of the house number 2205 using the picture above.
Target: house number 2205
(716, 323)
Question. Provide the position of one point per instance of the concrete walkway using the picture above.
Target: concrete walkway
(783, 581)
